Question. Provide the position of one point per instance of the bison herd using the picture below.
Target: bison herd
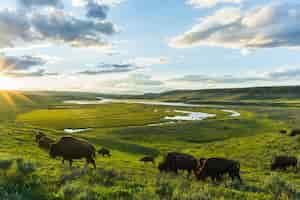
(70, 148)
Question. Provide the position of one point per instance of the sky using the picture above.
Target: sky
(141, 46)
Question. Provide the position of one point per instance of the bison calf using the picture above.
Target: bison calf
(283, 162)
(70, 148)
(215, 168)
(148, 159)
(104, 152)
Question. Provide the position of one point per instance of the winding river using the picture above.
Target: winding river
(182, 114)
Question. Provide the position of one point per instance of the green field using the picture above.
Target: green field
(27, 172)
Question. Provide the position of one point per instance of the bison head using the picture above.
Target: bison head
(54, 151)
(162, 166)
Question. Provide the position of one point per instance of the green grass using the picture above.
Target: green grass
(253, 139)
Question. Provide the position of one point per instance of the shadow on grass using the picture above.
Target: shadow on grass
(123, 146)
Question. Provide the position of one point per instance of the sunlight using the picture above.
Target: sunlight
(8, 83)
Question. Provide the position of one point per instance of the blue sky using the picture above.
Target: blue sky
(139, 46)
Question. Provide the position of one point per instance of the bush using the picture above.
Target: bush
(280, 189)
(5, 164)
(25, 168)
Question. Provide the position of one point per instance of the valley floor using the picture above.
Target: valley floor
(27, 172)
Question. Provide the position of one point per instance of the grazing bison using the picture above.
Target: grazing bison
(295, 132)
(283, 131)
(45, 142)
(39, 135)
(70, 148)
(178, 161)
(104, 152)
(215, 168)
(148, 159)
(283, 162)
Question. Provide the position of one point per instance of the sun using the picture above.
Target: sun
(7, 83)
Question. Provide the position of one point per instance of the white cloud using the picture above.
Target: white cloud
(83, 3)
(210, 3)
(269, 26)
(149, 61)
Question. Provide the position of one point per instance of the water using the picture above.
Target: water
(190, 116)
(78, 130)
(233, 113)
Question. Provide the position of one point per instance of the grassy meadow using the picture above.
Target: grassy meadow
(132, 131)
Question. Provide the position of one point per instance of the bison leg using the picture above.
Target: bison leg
(92, 161)
(70, 163)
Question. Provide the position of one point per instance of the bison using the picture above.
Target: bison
(70, 148)
(104, 152)
(178, 161)
(283, 131)
(215, 168)
(39, 135)
(148, 159)
(295, 132)
(283, 162)
(45, 142)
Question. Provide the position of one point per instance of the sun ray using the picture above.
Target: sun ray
(8, 99)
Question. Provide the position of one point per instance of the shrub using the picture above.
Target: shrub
(25, 168)
(5, 164)
(280, 189)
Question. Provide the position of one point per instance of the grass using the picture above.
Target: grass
(27, 172)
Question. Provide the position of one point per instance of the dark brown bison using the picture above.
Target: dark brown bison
(295, 132)
(283, 162)
(215, 168)
(178, 161)
(39, 135)
(283, 131)
(45, 142)
(70, 148)
(148, 159)
(104, 152)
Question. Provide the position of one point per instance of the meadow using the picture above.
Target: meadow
(27, 172)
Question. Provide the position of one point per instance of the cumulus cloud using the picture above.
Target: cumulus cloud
(40, 3)
(210, 3)
(82, 3)
(269, 26)
(96, 10)
(23, 66)
(14, 27)
(275, 76)
(15, 63)
(53, 25)
(61, 27)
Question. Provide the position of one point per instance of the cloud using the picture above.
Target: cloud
(38, 73)
(210, 3)
(61, 27)
(22, 66)
(149, 61)
(52, 25)
(135, 84)
(96, 10)
(14, 27)
(129, 66)
(109, 68)
(40, 3)
(82, 3)
(282, 74)
(15, 63)
(269, 26)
